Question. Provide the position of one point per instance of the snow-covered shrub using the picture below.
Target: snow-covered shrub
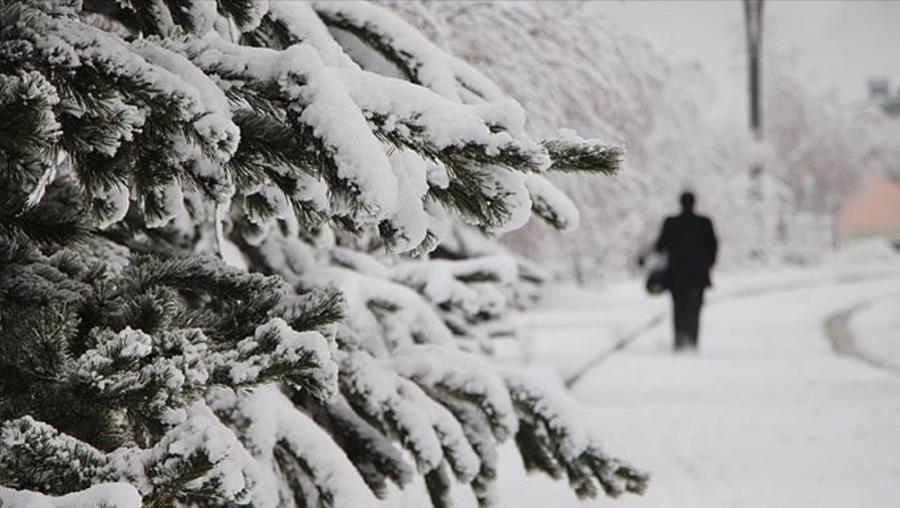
(220, 274)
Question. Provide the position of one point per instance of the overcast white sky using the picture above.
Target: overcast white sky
(837, 44)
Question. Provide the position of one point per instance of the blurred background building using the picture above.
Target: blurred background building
(875, 209)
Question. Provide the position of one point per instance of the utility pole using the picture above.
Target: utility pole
(753, 18)
(753, 21)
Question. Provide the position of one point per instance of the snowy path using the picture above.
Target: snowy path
(660, 315)
(768, 415)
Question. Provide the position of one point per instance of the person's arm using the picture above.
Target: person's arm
(713, 243)
(662, 243)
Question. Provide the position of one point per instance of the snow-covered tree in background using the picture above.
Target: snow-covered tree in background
(569, 65)
(565, 62)
(215, 279)
(823, 151)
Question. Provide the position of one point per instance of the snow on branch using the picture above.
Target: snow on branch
(113, 98)
(111, 495)
(288, 23)
(422, 61)
(552, 204)
(27, 94)
(317, 104)
(275, 351)
(460, 375)
(373, 453)
(389, 315)
(413, 116)
(308, 365)
(551, 438)
(288, 447)
(571, 153)
(472, 294)
(194, 456)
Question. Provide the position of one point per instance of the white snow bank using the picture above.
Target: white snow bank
(110, 495)
(876, 331)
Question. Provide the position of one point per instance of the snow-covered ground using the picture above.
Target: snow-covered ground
(876, 330)
(575, 326)
(766, 415)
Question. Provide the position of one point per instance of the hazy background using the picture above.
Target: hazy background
(668, 81)
(836, 45)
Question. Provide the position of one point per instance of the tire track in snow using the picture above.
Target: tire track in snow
(656, 319)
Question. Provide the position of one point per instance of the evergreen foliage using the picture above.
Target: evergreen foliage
(221, 273)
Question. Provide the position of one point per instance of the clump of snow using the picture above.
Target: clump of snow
(383, 398)
(549, 201)
(232, 472)
(441, 281)
(168, 204)
(112, 202)
(205, 17)
(215, 126)
(258, 9)
(436, 174)
(505, 113)
(510, 185)
(255, 356)
(409, 219)
(441, 122)
(359, 156)
(110, 495)
(324, 105)
(359, 262)
(550, 404)
(219, 444)
(449, 76)
(289, 256)
(36, 194)
(454, 444)
(273, 421)
(463, 374)
(31, 86)
(126, 345)
(303, 23)
(440, 223)
(409, 318)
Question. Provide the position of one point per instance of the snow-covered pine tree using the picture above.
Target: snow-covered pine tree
(215, 280)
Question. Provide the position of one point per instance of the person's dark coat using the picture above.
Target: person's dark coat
(690, 243)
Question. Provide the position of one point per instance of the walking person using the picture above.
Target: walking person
(689, 241)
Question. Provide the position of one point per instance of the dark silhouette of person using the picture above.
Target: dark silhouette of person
(690, 243)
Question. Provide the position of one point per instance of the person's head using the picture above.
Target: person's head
(687, 200)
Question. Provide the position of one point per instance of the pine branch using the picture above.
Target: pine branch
(44, 223)
(469, 194)
(571, 153)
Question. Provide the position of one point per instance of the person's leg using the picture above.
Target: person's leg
(679, 315)
(696, 304)
(699, 313)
